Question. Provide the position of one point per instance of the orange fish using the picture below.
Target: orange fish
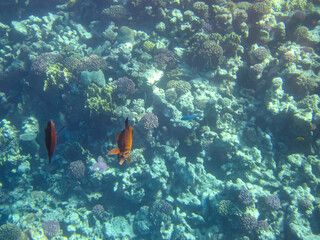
(124, 139)
(51, 138)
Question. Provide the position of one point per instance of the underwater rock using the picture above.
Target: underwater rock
(142, 224)
(118, 227)
(96, 77)
(20, 27)
(30, 128)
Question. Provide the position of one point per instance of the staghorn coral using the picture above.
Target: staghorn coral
(99, 100)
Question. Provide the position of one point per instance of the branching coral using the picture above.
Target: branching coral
(56, 75)
(99, 100)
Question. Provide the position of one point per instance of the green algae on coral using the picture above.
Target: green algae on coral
(99, 100)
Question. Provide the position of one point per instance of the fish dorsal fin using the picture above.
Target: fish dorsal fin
(126, 123)
(114, 151)
(118, 136)
(60, 130)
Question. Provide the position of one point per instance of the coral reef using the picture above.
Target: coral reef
(10, 231)
(223, 97)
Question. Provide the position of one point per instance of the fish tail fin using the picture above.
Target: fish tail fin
(60, 130)
(129, 159)
(114, 151)
(121, 160)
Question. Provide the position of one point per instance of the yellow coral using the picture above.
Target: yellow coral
(295, 5)
(56, 76)
(99, 100)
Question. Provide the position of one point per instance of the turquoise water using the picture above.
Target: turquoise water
(223, 98)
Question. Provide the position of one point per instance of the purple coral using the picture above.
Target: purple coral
(245, 197)
(100, 164)
(77, 169)
(263, 226)
(165, 207)
(149, 121)
(94, 63)
(125, 85)
(165, 59)
(40, 64)
(51, 228)
(248, 223)
(98, 210)
(273, 202)
(260, 53)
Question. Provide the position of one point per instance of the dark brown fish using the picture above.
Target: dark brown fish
(51, 138)
(124, 139)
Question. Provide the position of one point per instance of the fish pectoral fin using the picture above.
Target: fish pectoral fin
(128, 159)
(114, 151)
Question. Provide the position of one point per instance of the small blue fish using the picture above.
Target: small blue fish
(189, 117)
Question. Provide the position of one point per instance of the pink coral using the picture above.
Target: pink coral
(100, 164)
